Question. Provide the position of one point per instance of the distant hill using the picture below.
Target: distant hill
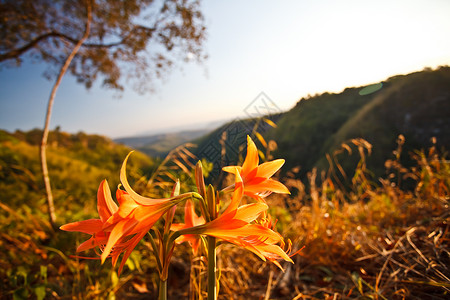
(159, 145)
(416, 105)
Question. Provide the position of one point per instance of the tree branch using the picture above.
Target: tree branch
(15, 53)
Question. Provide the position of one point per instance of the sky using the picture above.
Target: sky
(283, 49)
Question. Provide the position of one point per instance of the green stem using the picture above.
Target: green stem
(162, 290)
(212, 283)
(155, 252)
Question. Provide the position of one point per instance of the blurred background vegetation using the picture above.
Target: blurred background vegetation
(370, 188)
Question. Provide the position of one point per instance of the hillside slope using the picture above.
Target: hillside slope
(302, 131)
(415, 105)
(77, 163)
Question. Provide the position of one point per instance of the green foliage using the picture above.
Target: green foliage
(77, 164)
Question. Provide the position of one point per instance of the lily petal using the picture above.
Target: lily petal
(267, 185)
(120, 230)
(252, 159)
(138, 198)
(90, 226)
(250, 212)
(274, 249)
(237, 195)
(90, 243)
(269, 168)
(242, 231)
(232, 169)
(133, 242)
(105, 204)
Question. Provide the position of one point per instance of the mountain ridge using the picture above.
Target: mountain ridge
(158, 145)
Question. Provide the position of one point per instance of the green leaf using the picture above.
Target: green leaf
(130, 264)
(111, 296)
(136, 257)
(43, 273)
(358, 283)
(21, 271)
(114, 279)
(40, 292)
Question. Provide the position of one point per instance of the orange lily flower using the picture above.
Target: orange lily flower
(106, 208)
(120, 229)
(264, 249)
(267, 249)
(256, 177)
(136, 214)
(191, 219)
(234, 226)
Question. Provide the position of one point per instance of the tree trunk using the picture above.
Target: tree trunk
(43, 148)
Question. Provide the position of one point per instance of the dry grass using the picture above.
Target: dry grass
(363, 240)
